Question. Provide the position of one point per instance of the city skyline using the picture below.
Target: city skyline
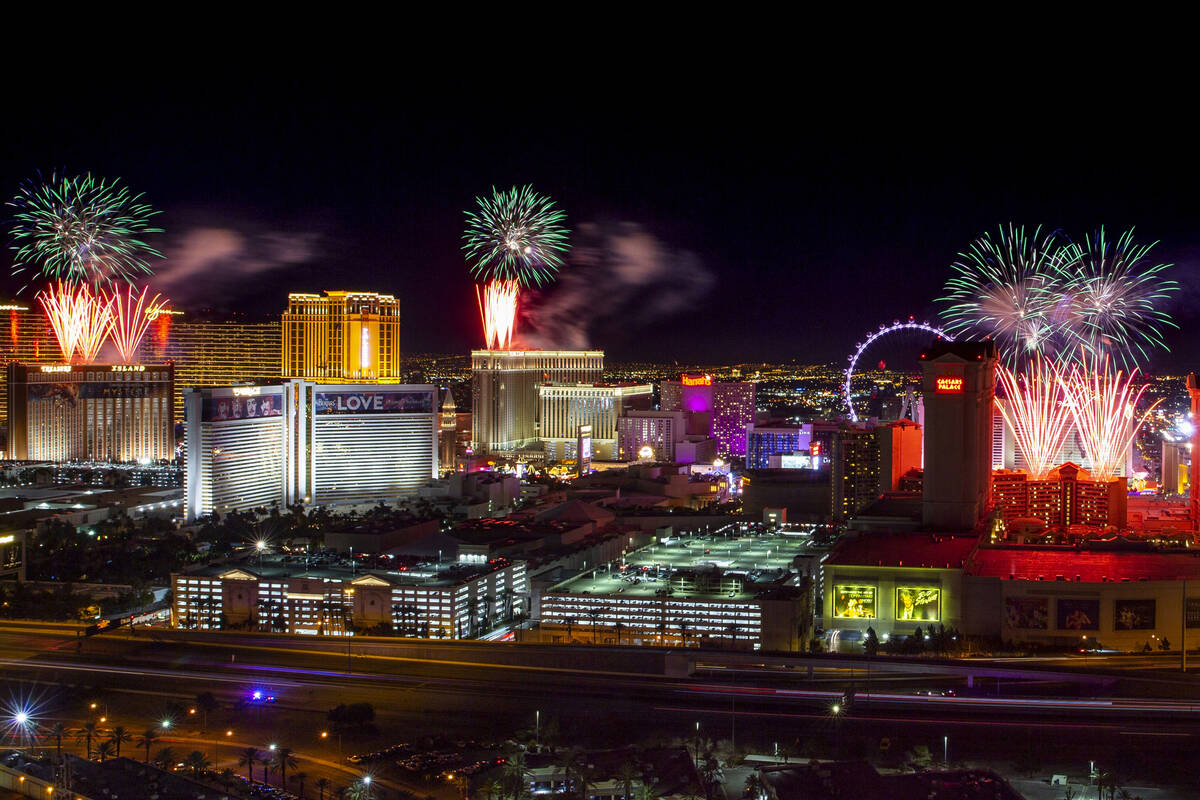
(758, 232)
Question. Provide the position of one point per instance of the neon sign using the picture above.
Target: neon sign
(697, 380)
(949, 384)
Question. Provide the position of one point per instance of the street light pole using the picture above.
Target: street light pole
(537, 730)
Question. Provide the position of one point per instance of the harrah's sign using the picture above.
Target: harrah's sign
(696, 380)
(949, 384)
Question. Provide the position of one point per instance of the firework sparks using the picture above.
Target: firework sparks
(515, 235)
(1036, 411)
(130, 317)
(1103, 404)
(1041, 294)
(81, 229)
(498, 309)
(80, 320)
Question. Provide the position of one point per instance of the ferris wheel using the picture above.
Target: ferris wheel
(897, 329)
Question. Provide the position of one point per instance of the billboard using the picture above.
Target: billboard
(66, 394)
(1078, 615)
(220, 409)
(1133, 615)
(1030, 613)
(854, 601)
(1191, 613)
(918, 603)
(374, 402)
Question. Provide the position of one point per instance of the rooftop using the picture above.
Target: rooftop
(1090, 566)
(335, 568)
(920, 550)
(751, 560)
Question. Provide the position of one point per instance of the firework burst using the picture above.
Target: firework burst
(81, 229)
(1035, 409)
(498, 309)
(1043, 295)
(1103, 404)
(80, 319)
(515, 235)
(130, 316)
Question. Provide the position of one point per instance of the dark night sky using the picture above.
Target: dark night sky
(814, 218)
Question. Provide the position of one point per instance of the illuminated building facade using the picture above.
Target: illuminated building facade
(658, 430)
(213, 352)
(566, 407)
(855, 472)
(442, 602)
(342, 337)
(505, 387)
(447, 431)
(90, 412)
(27, 339)
(899, 452)
(1066, 496)
(718, 409)
(958, 385)
(765, 441)
(257, 446)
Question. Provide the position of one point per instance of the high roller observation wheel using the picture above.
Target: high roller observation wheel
(883, 330)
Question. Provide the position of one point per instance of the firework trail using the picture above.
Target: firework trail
(1035, 409)
(130, 316)
(1103, 404)
(81, 229)
(498, 309)
(80, 320)
(515, 236)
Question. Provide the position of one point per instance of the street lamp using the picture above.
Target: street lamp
(836, 709)
(367, 783)
(166, 723)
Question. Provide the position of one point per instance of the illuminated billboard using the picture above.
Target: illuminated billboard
(1133, 615)
(918, 603)
(1030, 613)
(854, 601)
(696, 380)
(374, 402)
(1078, 615)
(949, 384)
(223, 409)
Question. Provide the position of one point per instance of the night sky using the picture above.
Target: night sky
(783, 229)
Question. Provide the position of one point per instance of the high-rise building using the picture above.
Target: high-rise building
(256, 446)
(29, 339)
(899, 452)
(657, 430)
(566, 407)
(764, 441)
(1066, 496)
(505, 392)
(92, 412)
(213, 351)
(342, 337)
(718, 409)
(958, 386)
(855, 478)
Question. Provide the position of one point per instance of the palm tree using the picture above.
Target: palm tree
(571, 761)
(594, 616)
(570, 623)
(58, 730)
(514, 773)
(626, 774)
(226, 775)
(165, 758)
(148, 739)
(322, 786)
(118, 737)
(619, 626)
(755, 786)
(267, 761)
(300, 778)
(88, 731)
(197, 762)
(248, 759)
(284, 757)
(104, 750)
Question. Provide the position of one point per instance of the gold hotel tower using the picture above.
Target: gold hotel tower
(342, 337)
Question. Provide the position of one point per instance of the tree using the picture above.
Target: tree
(626, 774)
(88, 731)
(918, 640)
(285, 758)
(58, 730)
(871, 643)
(513, 774)
(197, 762)
(358, 715)
(755, 787)
(118, 737)
(711, 773)
(104, 750)
(322, 787)
(206, 703)
(148, 739)
(248, 759)
(227, 775)
(300, 778)
(165, 758)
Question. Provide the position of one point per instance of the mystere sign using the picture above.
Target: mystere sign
(381, 402)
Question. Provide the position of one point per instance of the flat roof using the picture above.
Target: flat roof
(763, 558)
(447, 573)
(1090, 566)
(921, 550)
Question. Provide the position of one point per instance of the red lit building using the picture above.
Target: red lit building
(1066, 496)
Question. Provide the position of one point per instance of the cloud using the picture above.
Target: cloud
(206, 257)
(617, 272)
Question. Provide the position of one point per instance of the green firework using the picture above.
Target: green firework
(515, 235)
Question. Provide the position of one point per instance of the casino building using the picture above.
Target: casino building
(342, 336)
(90, 412)
(300, 442)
